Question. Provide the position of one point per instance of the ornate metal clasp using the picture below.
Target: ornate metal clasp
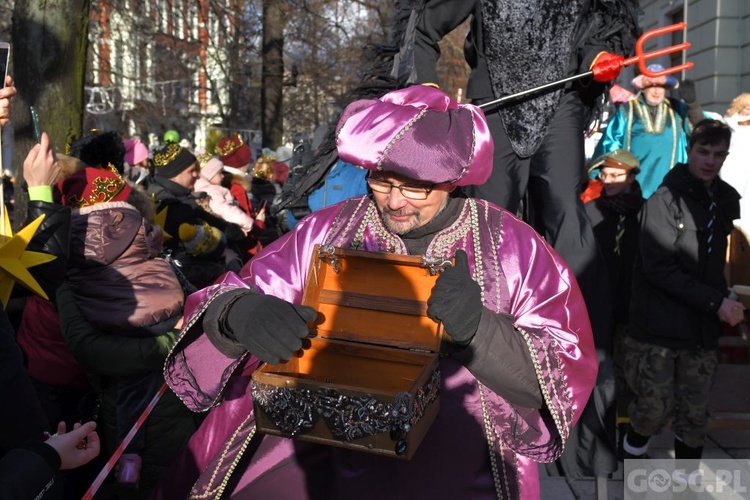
(327, 253)
(436, 265)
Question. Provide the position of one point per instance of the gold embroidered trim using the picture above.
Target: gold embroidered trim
(219, 490)
(649, 127)
(543, 385)
(104, 190)
(495, 243)
(505, 470)
(185, 329)
(448, 238)
(674, 138)
(657, 125)
(230, 146)
(386, 241)
(232, 467)
(506, 482)
(489, 436)
(203, 158)
(563, 419)
(172, 152)
(630, 125)
(478, 252)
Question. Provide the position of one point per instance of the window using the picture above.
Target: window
(193, 19)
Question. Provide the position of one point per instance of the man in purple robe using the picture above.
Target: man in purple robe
(522, 362)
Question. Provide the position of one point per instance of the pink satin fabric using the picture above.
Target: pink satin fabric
(418, 132)
(522, 276)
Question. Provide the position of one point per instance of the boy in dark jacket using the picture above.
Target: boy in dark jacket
(614, 217)
(680, 296)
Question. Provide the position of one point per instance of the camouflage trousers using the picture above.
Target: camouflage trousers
(622, 390)
(669, 383)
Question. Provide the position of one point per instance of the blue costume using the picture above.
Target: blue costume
(659, 141)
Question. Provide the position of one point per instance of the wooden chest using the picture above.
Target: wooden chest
(369, 378)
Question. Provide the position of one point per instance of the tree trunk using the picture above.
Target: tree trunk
(272, 81)
(50, 38)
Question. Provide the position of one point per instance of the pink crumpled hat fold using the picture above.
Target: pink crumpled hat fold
(418, 132)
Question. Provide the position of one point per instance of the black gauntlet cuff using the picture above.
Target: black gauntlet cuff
(216, 326)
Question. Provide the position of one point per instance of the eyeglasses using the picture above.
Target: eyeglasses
(408, 192)
(612, 177)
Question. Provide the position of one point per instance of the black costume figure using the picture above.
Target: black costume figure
(539, 150)
(515, 45)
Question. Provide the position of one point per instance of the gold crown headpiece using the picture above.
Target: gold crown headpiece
(92, 186)
(103, 190)
(203, 158)
(230, 146)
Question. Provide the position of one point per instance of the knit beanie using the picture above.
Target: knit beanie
(135, 151)
(200, 240)
(211, 167)
(172, 159)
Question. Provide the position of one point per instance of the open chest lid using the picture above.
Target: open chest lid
(374, 298)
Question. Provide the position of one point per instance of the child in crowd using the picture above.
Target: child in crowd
(222, 203)
(121, 284)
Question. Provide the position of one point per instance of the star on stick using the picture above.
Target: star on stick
(15, 260)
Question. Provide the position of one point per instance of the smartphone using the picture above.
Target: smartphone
(35, 123)
(4, 60)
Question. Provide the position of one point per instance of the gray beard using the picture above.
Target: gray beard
(399, 232)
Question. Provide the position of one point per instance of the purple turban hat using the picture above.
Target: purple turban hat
(418, 132)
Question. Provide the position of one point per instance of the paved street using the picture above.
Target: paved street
(728, 437)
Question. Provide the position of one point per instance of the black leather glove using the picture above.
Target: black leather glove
(456, 300)
(268, 327)
(694, 108)
(687, 91)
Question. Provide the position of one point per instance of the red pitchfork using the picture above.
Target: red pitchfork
(640, 57)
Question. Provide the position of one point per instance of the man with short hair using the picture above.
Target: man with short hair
(680, 297)
(197, 238)
(521, 363)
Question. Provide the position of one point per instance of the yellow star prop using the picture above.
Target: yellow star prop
(160, 219)
(15, 260)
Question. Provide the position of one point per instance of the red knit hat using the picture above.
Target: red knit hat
(233, 152)
(92, 186)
